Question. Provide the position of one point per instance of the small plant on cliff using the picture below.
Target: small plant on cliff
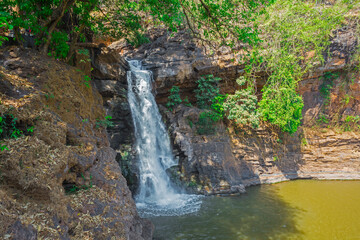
(207, 122)
(207, 90)
(326, 86)
(174, 99)
(186, 102)
(241, 106)
(71, 188)
(208, 97)
(87, 80)
(351, 122)
(9, 128)
(105, 123)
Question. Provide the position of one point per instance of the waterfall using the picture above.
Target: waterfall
(156, 196)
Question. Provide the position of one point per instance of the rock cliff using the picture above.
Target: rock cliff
(59, 176)
(237, 157)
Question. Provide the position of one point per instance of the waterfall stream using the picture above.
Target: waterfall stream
(157, 196)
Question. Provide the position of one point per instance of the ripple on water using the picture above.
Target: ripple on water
(181, 205)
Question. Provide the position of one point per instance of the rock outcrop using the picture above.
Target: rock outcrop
(59, 177)
(234, 158)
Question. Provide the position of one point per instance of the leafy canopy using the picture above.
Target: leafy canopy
(59, 24)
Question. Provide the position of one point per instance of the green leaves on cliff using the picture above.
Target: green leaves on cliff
(207, 90)
(174, 99)
(296, 36)
(242, 106)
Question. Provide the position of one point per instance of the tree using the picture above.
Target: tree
(59, 25)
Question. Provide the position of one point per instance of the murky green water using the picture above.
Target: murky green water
(302, 209)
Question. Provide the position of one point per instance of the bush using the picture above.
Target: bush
(282, 107)
(59, 46)
(207, 90)
(104, 123)
(207, 122)
(174, 99)
(10, 129)
(241, 106)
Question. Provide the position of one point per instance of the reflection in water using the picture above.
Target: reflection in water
(302, 209)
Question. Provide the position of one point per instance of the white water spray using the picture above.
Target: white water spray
(156, 196)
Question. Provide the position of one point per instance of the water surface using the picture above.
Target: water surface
(301, 209)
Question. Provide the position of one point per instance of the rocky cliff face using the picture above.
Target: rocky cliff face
(59, 178)
(237, 157)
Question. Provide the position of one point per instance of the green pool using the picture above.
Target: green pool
(301, 209)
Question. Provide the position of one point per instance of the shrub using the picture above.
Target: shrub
(59, 46)
(241, 106)
(207, 90)
(207, 122)
(282, 107)
(104, 123)
(351, 122)
(10, 129)
(174, 98)
(87, 80)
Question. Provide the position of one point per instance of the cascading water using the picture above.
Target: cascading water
(156, 196)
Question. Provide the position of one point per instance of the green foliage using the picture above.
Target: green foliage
(304, 142)
(174, 99)
(218, 105)
(105, 123)
(207, 90)
(87, 81)
(4, 24)
(186, 102)
(346, 99)
(323, 118)
(191, 124)
(125, 164)
(325, 90)
(137, 39)
(9, 129)
(73, 189)
(351, 122)
(282, 107)
(208, 97)
(30, 129)
(83, 51)
(224, 22)
(241, 106)
(56, 23)
(326, 86)
(59, 45)
(207, 122)
(49, 96)
(295, 35)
